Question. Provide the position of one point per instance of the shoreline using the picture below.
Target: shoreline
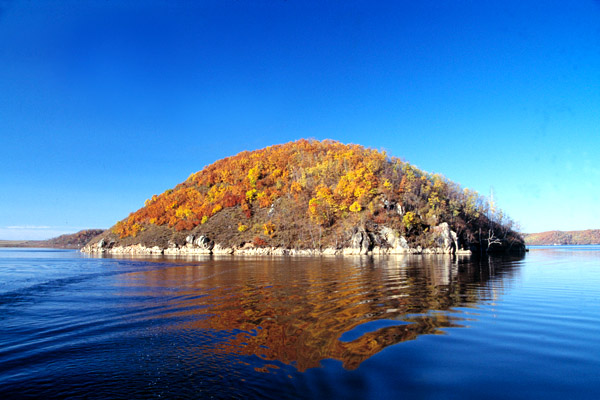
(361, 243)
(192, 250)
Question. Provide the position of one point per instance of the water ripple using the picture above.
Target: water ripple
(348, 327)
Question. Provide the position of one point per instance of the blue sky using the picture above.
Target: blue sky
(105, 103)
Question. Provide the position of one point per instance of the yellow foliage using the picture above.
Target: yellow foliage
(242, 228)
(250, 194)
(216, 209)
(296, 187)
(269, 228)
(355, 207)
(204, 219)
(183, 212)
(253, 175)
(410, 219)
(135, 229)
(359, 192)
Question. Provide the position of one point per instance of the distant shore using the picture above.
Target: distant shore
(557, 238)
(22, 243)
(69, 241)
(39, 244)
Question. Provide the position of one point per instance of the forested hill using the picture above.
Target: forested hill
(589, 236)
(313, 194)
(73, 240)
(69, 241)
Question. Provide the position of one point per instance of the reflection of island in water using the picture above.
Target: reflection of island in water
(302, 311)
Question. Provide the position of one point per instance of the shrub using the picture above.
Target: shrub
(258, 242)
(355, 207)
(269, 229)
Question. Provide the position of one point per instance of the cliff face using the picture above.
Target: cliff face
(312, 196)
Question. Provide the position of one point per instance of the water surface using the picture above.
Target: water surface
(281, 327)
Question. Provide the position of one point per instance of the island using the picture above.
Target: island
(312, 197)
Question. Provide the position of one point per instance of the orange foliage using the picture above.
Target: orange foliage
(258, 242)
(336, 175)
(269, 229)
(327, 180)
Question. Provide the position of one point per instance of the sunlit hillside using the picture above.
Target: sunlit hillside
(312, 194)
(589, 236)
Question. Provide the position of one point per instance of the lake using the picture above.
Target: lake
(426, 327)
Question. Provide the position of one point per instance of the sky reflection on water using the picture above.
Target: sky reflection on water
(343, 327)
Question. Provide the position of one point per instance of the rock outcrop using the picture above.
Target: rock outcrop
(359, 242)
(362, 242)
(445, 238)
(396, 243)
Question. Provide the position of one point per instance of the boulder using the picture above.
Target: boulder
(204, 242)
(189, 239)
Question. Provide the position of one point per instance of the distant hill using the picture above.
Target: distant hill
(588, 236)
(313, 195)
(68, 241)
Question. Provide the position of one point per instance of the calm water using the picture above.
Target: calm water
(353, 327)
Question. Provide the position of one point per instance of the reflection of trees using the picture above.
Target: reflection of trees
(295, 310)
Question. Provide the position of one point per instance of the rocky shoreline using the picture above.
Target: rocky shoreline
(138, 249)
(387, 242)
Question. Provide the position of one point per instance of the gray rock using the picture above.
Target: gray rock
(189, 239)
(393, 239)
(204, 243)
(359, 241)
(445, 238)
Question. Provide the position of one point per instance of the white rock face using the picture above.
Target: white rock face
(218, 249)
(204, 243)
(445, 238)
(359, 243)
(384, 242)
(397, 244)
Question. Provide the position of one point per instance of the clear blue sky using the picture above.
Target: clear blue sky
(105, 103)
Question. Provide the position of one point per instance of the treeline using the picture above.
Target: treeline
(589, 236)
(68, 241)
(324, 186)
(72, 240)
